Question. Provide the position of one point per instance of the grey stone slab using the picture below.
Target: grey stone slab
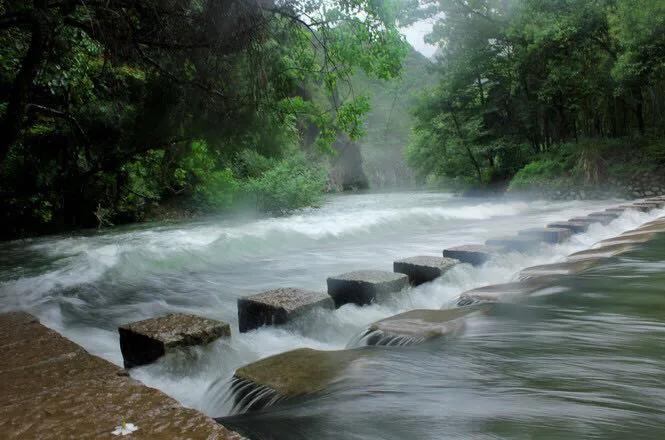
(514, 243)
(574, 227)
(422, 269)
(548, 235)
(364, 286)
(475, 254)
(637, 207)
(278, 306)
(145, 341)
(603, 217)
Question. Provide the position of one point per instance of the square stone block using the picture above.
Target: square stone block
(574, 227)
(637, 207)
(364, 286)
(603, 217)
(145, 341)
(618, 210)
(422, 269)
(278, 306)
(548, 235)
(514, 243)
(474, 254)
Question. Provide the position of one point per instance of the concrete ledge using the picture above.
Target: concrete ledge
(278, 306)
(548, 235)
(574, 227)
(518, 243)
(365, 286)
(146, 341)
(474, 254)
(54, 389)
(423, 269)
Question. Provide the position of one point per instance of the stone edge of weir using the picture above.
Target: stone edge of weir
(53, 388)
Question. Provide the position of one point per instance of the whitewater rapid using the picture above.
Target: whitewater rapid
(85, 285)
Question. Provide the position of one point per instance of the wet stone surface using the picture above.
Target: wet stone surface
(279, 306)
(422, 269)
(365, 286)
(548, 235)
(54, 389)
(474, 254)
(517, 243)
(574, 227)
(145, 341)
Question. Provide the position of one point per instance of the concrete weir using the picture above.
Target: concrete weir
(423, 269)
(414, 327)
(146, 341)
(51, 388)
(287, 375)
(279, 306)
(365, 286)
(474, 254)
(548, 235)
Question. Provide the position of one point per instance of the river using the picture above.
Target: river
(585, 360)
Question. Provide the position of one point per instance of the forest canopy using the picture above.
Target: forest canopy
(564, 84)
(110, 107)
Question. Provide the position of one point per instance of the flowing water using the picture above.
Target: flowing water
(583, 360)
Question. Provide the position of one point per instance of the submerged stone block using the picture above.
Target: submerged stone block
(588, 221)
(278, 306)
(636, 208)
(286, 375)
(498, 292)
(146, 341)
(574, 227)
(618, 210)
(422, 269)
(364, 286)
(548, 235)
(563, 268)
(514, 243)
(475, 254)
(650, 205)
(415, 326)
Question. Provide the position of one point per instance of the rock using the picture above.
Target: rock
(548, 235)
(498, 292)
(602, 252)
(517, 243)
(575, 227)
(278, 306)
(618, 210)
(415, 326)
(654, 202)
(145, 341)
(286, 375)
(54, 389)
(475, 254)
(365, 286)
(586, 220)
(422, 269)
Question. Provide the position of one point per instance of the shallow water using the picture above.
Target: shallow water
(586, 361)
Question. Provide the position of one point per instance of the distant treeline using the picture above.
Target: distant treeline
(572, 87)
(109, 109)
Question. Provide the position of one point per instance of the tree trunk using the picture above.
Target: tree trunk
(12, 123)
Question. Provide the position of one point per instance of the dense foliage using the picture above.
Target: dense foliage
(552, 82)
(110, 108)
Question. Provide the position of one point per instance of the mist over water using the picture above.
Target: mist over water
(583, 361)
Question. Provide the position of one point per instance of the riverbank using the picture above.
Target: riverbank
(53, 388)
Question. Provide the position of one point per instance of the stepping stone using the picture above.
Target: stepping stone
(415, 327)
(286, 375)
(364, 286)
(144, 342)
(422, 269)
(278, 306)
(603, 217)
(631, 237)
(474, 254)
(588, 221)
(636, 208)
(609, 250)
(556, 269)
(650, 205)
(574, 227)
(497, 292)
(516, 243)
(548, 235)
(618, 210)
